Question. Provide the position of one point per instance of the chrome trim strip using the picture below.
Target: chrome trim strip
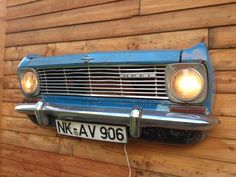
(120, 116)
(96, 72)
(111, 68)
(111, 84)
(99, 88)
(113, 96)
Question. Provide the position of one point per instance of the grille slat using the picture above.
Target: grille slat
(136, 81)
(105, 95)
(107, 91)
(102, 69)
(97, 84)
(104, 88)
(110, 73)
(107, 80)
(92, 77)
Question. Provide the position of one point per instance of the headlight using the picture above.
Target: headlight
(186, 84)
(29, 82)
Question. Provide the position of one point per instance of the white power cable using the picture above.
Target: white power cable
(127, 159)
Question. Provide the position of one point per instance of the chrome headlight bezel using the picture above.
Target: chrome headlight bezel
(171, 69)
(21, 74)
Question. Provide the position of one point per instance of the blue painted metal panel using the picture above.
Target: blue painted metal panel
(104, 58)
(100, 102)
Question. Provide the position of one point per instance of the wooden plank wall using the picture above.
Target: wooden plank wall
(56, 27)
(2, 51)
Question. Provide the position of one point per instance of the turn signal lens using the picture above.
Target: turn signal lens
(29, 82)
(186, 84)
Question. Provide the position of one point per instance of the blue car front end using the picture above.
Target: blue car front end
(147, 115)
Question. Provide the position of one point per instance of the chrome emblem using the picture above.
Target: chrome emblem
(138, 75)
(87, 59)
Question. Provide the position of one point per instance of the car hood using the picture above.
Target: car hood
(103, 58)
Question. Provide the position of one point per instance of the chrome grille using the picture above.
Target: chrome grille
(138, 81)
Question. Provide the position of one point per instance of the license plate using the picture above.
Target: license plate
(110, 133)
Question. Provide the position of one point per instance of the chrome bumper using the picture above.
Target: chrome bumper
(135, 119)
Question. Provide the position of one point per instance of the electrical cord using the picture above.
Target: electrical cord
(127, 159)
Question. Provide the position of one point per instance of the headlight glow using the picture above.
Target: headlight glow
(186, 84)
(29, 82)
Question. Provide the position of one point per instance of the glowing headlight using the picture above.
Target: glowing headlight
(29, 82)
(186, 84)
